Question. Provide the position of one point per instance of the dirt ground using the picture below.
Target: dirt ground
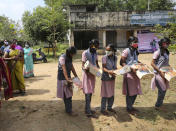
(40, 110)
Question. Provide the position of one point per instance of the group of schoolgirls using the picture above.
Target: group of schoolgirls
(131, 83)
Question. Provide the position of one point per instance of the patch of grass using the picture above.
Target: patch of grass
(61, 48)
(119, 81)
(172, 47)
(77, 58)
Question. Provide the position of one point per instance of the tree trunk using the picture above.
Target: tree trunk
(54, 49)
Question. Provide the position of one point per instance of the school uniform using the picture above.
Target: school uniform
(108, 82)
(158, 81)
(88, 80)
(131, 83)
(63, 90)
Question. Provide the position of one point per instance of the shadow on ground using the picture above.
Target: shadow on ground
(42, 116)
(36, 78)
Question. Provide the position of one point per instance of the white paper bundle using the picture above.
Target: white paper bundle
(77, 82)
(123, 70)
(170, 73)
(93, 69)
(143, 72)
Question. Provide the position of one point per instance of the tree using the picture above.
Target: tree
(8, 29)
(125, 5)
(167, 31)
(162, 5)
(46, 24)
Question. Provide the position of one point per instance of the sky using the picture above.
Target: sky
(14, 9)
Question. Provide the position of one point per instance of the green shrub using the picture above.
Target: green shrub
(60, 49)
(172, 47)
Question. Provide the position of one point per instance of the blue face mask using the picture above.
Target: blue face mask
(93, 50)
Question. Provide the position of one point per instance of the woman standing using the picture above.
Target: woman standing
(160, 59)
(89, 79)
(15, 58)
(109, 63)
(131, 83)
(5, 79)
(28, 61)
(64, 81)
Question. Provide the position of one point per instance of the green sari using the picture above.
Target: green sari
(16, 72)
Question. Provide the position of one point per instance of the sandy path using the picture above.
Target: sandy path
(40, 110)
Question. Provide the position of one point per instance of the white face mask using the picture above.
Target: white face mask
(108, 53)
(6, 43)
(27, 46)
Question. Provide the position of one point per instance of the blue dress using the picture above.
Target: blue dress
(28, 63)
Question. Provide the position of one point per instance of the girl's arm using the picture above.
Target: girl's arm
(97, 64)
(156, 68)
(123, 60)
(65, 74)
(104, 67)
(74, 72)
(106, 70)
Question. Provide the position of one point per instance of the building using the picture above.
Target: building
(112, 27)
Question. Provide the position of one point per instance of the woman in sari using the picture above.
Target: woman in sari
(5, 79)
(28, 61)
(15, 58)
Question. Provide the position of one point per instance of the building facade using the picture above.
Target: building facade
(110, 27)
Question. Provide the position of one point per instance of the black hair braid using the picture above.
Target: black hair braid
(69, 51)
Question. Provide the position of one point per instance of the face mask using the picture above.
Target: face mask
(27, 46)
(109, 53)
(93, 50)
(135, 45)
(13, 46)
(6, 43)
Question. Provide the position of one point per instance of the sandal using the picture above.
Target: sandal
(105, 113)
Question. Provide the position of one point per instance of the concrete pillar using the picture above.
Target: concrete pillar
(104, 38)
(100, 38)
(117, 38)
(71, 38)
(121, 38)
(135, 33)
